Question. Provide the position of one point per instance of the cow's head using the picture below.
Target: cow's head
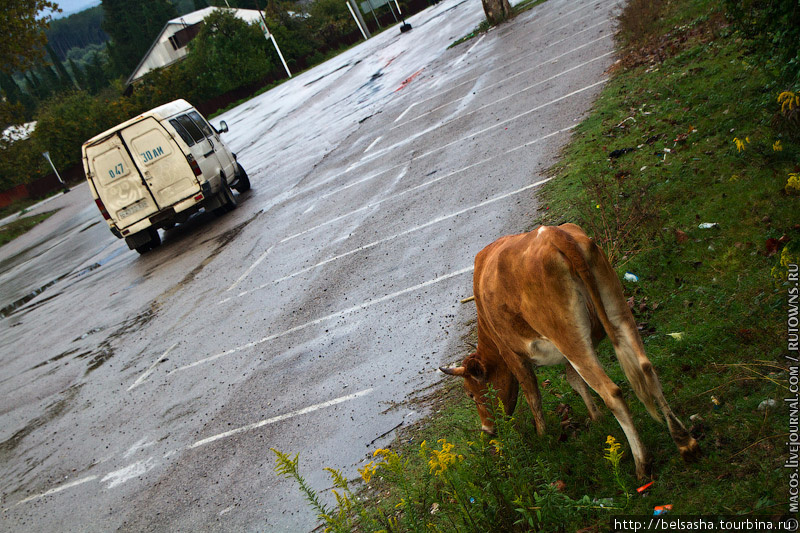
(478, 375)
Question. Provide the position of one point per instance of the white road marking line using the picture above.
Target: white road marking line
(412, 230)
(471, 48)
(521, 58)
(150, 370)
(137, 469)
(373, 143)
(500, 124)
(252, 267)
(470, 135)
(141, 444)
(331, 316)
(368, 178)
(280, 418)
(492, 86)
(55, 490)
(406, 111)
(394, 197)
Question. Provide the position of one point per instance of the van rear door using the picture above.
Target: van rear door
(161, 162)
(118, 182)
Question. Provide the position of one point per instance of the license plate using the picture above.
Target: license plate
(135, 208)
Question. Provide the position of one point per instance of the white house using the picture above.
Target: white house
(170, 45)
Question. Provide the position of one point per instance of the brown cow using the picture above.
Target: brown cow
(548, 297)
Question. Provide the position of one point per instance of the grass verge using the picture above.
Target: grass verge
(14, 229)
(686, 173)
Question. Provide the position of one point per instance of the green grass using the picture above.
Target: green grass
(690, 92)
(18, 206)
(14, 229)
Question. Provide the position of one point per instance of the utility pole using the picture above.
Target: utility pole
(64, 185)
(268, 35)
(356, 11)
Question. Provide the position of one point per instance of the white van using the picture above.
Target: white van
(155, 170)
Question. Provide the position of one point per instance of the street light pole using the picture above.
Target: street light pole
(47, 156)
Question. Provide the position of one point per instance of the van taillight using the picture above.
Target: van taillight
(194, 165)
(102, 209)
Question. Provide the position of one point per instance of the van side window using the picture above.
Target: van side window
(201, 123)
(191, 128)
(182, 132)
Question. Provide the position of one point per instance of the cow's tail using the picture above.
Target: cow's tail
(627, 344)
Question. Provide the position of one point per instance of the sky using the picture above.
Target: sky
(69, 7)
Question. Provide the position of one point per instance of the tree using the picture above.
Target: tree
(227, 54)
(496, 11)
(23, 38)
(133, 25)
(64, 77)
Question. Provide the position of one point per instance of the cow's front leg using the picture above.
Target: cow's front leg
(578, 385)
(523, 370)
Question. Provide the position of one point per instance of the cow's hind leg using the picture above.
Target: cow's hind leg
(578, 385)
(580, 353)
(630, 352)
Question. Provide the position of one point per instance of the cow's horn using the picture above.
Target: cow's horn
(453, 371)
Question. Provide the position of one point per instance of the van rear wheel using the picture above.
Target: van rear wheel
(226, 197)
(243, 182)
(154, 242)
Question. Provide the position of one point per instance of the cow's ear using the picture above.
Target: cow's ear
(453, 371)
(474, 368)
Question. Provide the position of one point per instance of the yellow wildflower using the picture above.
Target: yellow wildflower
(381, 451)
(368, 471)
(613, 454)
(789, 100)
(793, 184)
(440, 460)
(776, 147)
(740, 144)
(497, 446)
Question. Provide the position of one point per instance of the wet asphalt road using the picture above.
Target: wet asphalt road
(145, 393)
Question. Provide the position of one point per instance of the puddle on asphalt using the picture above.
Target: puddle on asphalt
(105, 351)
(57, 358)
(12, 308)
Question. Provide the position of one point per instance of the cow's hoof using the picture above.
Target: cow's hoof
(691, 452)
(644, 469)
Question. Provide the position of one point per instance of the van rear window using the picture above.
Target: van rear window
(190, 127)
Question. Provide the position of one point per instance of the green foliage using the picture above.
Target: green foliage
(22, 38)
(348, 509)
(478, 484)
(774, 27)
(227, 53)
(65, 123)
(77, 31)
(132, 26)
(330, 21)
